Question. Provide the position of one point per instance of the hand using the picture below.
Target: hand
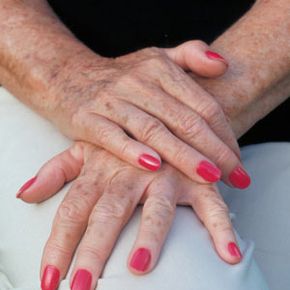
(147, 96)
(102, 199)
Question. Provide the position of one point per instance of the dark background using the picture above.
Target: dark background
(113, 28)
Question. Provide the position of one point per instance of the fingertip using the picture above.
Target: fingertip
(215, 56)
(198, 57)
(149, 161)
(234, 251)
(51, 177)
(82, 280)
(239, 178)
(202, 60)
(50, 278)
(214, 65)
(229, 250)
(208, 171)
(25, 187)
(41, 188)
(140, 261)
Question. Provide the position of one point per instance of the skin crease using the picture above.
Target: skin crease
(256, 84)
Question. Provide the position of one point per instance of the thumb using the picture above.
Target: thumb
(53, 175)
(197, 57)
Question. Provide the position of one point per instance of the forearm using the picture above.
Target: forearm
(34, 48)
(246, 119)
(257, 48)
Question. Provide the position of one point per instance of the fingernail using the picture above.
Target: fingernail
(234, 250)
(141, 260)
(215, 56)
(149, 162)
(50, 278)
(239, 178)
(208, 171)
(82, 280)
(25, 186)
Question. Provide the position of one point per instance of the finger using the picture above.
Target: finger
(68, 226)
(52, 176)
(157, 217)
(213, 212)
(189, 127)
(152, 132)
(197, 57)
(108, 135)
(181, 86)
(108, 217)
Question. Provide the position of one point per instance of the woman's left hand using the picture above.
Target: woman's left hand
(100, 202)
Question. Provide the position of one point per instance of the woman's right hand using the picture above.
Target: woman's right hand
(143, 107)
(100, 202)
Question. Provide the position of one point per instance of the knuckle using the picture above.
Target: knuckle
(109, 211)
(73, 211)
(181, 155)
(97, 255)
(153, 51)
(215, 213)
(213, 111)
(54, 250)
(210, 201)
(156, 58)
(219, 220)
(158, 212)
(196, 43)
(216, 208)
(223, 155)
(103, 133)
(125, 148)
(192, 126)
(159, 61)
(152, 129)
(131, 79)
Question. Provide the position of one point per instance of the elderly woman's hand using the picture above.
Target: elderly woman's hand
(143, 106)
(100, 202)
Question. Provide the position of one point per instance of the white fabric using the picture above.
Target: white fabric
(188, 260)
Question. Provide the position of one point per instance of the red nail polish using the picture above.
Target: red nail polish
(234, 250)
(141, 259)
(25, 186)
(50, 278)
(208, 171)
(239, 178)
(149, 162)
(215, 56)
(82, 280)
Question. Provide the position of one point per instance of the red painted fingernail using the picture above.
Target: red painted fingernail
(141, 260)
(239, 178)
(208, 171)
(82, 280)
(234, 250)
(149, 162)
(50, 278)
(25, 186)
(215, 56)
